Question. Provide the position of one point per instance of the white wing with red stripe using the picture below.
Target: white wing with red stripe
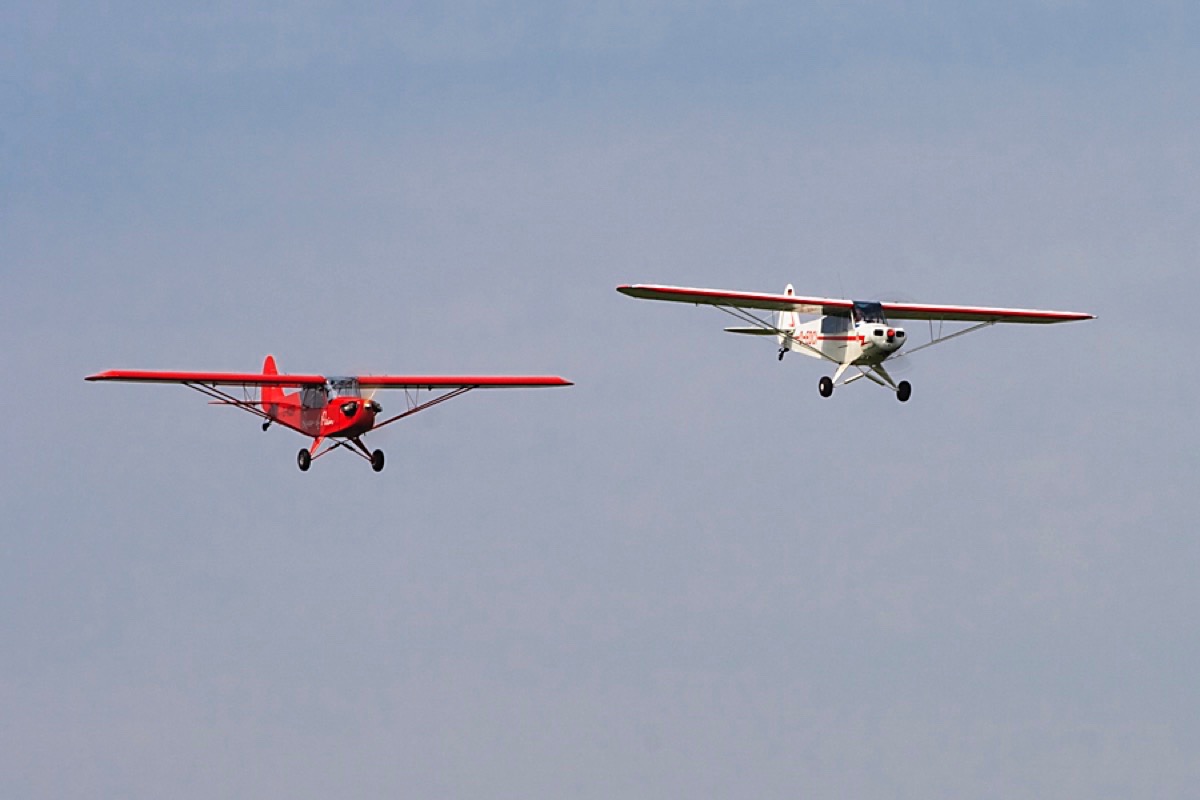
(824, 306)
(1029, 316)
(819, 306)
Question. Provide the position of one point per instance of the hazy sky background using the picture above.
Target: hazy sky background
(688, 575)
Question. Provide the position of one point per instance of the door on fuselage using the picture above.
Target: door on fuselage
(313, 400)
(837, 336)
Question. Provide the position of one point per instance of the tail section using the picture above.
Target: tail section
(788, 320)
(786, 323)
(272, 396)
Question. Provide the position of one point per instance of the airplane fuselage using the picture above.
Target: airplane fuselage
(844, 341)
(342, 416)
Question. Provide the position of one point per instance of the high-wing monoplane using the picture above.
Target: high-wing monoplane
(848, 334)
(334, 411)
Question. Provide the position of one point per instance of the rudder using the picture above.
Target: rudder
(786, 324)
(271, 396)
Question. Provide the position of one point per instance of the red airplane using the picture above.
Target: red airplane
(327, 408)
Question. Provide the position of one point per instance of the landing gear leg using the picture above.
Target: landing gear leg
(303, 459)
(782, 353)
(903, 391)
(377, 461)
(825, 387)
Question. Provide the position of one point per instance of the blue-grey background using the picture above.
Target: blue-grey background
(688, 575)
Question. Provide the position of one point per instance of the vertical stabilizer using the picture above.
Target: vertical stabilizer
(788, 320)
(271, 396)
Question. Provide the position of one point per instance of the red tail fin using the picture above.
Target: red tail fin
(272, 396)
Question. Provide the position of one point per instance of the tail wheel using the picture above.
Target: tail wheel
(825, 387)
(377, 461)
(303, 460)
(904, 391)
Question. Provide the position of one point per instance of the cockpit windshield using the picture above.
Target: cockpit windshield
(869, 312)
(345, 387)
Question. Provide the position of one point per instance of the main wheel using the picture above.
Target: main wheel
(825, 387)
(904, 391)
(303, 459)
(377, 461)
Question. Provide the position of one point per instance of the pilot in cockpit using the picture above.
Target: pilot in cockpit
(868, 312)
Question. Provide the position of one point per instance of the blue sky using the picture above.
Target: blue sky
(687, 574)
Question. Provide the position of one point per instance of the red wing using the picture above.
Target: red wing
(459, 381)
(721, 297)
(208, 378)
(980, 314)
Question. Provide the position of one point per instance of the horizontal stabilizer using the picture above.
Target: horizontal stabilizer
(754, 331)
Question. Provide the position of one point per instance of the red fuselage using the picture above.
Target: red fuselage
(341, 417)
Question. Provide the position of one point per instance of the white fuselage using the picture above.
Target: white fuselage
(842, 340)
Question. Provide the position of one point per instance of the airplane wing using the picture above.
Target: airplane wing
(828, 305)
(460, 381)
(208, 378)
(980, 314)
(721, 297)
(454, 385)
(366, 381)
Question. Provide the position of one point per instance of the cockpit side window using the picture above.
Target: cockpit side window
(835, 324)
(314, 397)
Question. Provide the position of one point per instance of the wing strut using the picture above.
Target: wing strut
(413, 409)
(223, 398)
(939, 338)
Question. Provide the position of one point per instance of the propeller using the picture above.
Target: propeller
(899, 364)
(369, 399)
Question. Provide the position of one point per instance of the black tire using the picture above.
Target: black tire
(303, 460)
(377, 461)
(904, 391)
(825, 387)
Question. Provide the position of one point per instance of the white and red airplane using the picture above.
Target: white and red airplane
(846, 333)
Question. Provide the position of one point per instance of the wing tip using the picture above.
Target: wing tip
(547, 381)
